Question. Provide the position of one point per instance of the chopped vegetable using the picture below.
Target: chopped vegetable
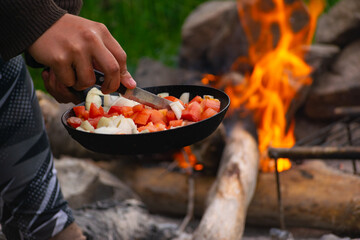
(123, 116)
(95, 111)
(163, 95)
(192, 112)
(177, 107)
(74, 121)
(93, 96)
(81, 112)
(185, 97)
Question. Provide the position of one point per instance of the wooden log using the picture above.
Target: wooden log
(314, 195)
(231, 193)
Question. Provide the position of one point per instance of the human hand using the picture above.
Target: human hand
(72, 48)
(57, 89)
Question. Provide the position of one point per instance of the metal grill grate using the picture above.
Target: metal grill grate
(339, 140)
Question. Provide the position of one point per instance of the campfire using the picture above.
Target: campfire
(281, 63)
(277, 59)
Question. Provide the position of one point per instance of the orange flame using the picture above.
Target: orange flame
(187, 160)
(276, 52)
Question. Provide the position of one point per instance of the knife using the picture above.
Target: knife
(137, 94)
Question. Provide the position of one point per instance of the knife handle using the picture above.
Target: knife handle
(99, 76)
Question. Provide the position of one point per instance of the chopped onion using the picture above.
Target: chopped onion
(164, 94)
(87, 126)
(121, 101)
(104, 122)
(109, 100)
(185, 97)
(93, 96)
(177, 108)
(107, 130)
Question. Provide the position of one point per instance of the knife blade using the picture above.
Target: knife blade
(137, 94)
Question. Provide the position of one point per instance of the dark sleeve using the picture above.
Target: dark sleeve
(24, 21)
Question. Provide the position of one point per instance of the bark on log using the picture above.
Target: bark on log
(233, 189)
(314, 195)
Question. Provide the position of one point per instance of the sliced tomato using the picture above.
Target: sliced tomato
(127, 111)
(170, 115)
(138, 108)
(95, 111)
(152, 128)
(114, 109)
(81, 112)
(108, 115)
(208, 113)
(211, 103)
(192, 112)
(174, 99)
(163, 111)
(74, 121)
(142, 117)
(176, 123)
(196, 99)
(157, 117)
(94, 121)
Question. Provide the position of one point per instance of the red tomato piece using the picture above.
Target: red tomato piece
(211, 103)
(108, 115)
(127, 111)
(163, 111)
(170, 115)
(157, 117)
(94, 121)
(152, 128)
(196, 99)
(74, 121)
(114, 109)
(96, 111)
(208, 113)
(176, 123)
(192, 112)
(174, 99)
(142, 117)
(138, 108)
(80, 112)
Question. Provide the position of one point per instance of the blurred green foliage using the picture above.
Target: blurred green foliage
(142, 27)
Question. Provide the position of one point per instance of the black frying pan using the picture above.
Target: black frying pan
(154, 142)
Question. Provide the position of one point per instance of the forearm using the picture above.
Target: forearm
(24, 21)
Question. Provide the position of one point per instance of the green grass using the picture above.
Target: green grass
(142, 27)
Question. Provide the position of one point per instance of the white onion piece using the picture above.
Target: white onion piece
(87, 126)
(208, 97)
(81, 129)
(185, 97)
(104, 122)
(93, 96)
(126, 126)
(177, 107)
(107, 130)
(121, 101)
(164, 94)
(109, 100)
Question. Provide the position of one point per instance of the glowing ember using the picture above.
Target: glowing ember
(187, 160)
(276, 52)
